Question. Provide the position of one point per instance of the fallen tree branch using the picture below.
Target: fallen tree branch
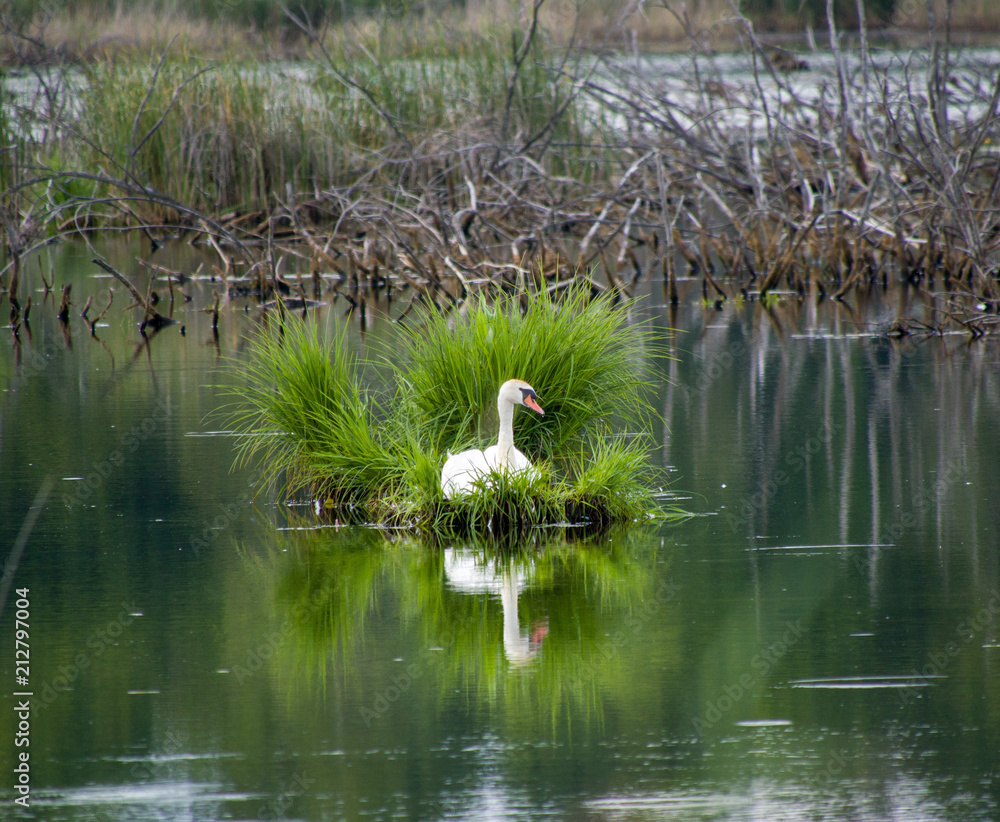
(151, 317)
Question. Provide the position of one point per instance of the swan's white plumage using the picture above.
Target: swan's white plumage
(517, 462)
(460, 471)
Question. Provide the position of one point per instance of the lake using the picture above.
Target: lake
(821, 640)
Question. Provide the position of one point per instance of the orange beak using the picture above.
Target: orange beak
(532, 403)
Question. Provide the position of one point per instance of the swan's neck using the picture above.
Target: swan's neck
(505, 440)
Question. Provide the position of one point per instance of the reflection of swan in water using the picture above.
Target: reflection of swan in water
(520, 648)
(467, 576)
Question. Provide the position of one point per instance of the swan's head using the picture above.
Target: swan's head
(518, 392)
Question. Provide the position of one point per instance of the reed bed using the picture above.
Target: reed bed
(503, 165)
(306, 418)
(219, 141)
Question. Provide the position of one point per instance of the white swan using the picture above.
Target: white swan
(462, 470)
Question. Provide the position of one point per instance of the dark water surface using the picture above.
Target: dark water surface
(823, 643)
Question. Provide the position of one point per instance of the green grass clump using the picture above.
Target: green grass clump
(585, 362)
(304, 413)
(613, 483)
(502, 504)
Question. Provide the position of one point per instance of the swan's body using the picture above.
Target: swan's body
(461, 470)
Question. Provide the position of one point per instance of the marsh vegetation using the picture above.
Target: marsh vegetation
(498, 172)
(304, 412)
(500, 161)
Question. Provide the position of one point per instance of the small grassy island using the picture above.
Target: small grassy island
(304, 413)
